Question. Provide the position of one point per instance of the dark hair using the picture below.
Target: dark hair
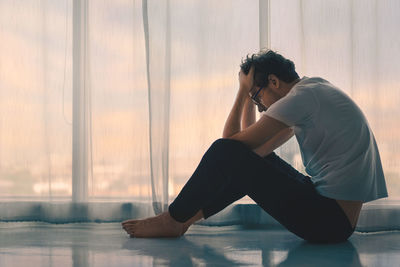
(268, 62)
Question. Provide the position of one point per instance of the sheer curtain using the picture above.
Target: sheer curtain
(192, 81)
(124, 97)
(107, 107)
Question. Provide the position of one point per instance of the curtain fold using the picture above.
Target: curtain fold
(156, 23)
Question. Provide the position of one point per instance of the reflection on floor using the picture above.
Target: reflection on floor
(91, 244)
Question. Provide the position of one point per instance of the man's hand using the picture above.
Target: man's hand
(246, 82)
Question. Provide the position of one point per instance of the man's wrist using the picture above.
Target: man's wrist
(249, 102)
(244, 92)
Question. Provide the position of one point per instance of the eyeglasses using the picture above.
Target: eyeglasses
(254, 97)
(256, 100)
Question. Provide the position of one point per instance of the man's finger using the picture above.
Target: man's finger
(251, 70)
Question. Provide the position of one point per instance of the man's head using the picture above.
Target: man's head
(273, 73)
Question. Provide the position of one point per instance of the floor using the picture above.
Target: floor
(106, 244)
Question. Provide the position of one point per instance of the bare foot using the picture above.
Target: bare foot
(129, 221)
(162, 225)
(198, 216)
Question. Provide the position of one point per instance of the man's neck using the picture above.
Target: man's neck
(294, 83)
(288, 86)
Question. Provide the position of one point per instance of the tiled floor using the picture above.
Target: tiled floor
(90, 244)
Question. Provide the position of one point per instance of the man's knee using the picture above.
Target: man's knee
(224, 143)
(224, 149)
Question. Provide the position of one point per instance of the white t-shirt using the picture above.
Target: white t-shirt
(337, 146)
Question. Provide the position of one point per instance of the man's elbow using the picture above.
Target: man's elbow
(225, 136)
(228, 135)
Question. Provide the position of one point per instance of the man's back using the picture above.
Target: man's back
(337, 145)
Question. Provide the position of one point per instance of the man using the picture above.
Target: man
(337, 146)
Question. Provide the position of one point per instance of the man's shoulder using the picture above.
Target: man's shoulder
(314, 85)
(312, 82)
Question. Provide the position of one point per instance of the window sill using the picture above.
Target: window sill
(381, 215)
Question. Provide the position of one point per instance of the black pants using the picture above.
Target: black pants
(229, 170)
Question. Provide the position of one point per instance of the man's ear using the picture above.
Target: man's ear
(273, 81)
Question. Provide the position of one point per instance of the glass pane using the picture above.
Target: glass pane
(117, 78)
(35, 98)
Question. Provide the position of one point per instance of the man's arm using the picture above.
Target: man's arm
(256, 134)
(249, 118)
(279, 139)
(232, 124)
(249, 114)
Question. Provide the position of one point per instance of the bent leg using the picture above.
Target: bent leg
(229, 170)
(221, 178)
(207, 182)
